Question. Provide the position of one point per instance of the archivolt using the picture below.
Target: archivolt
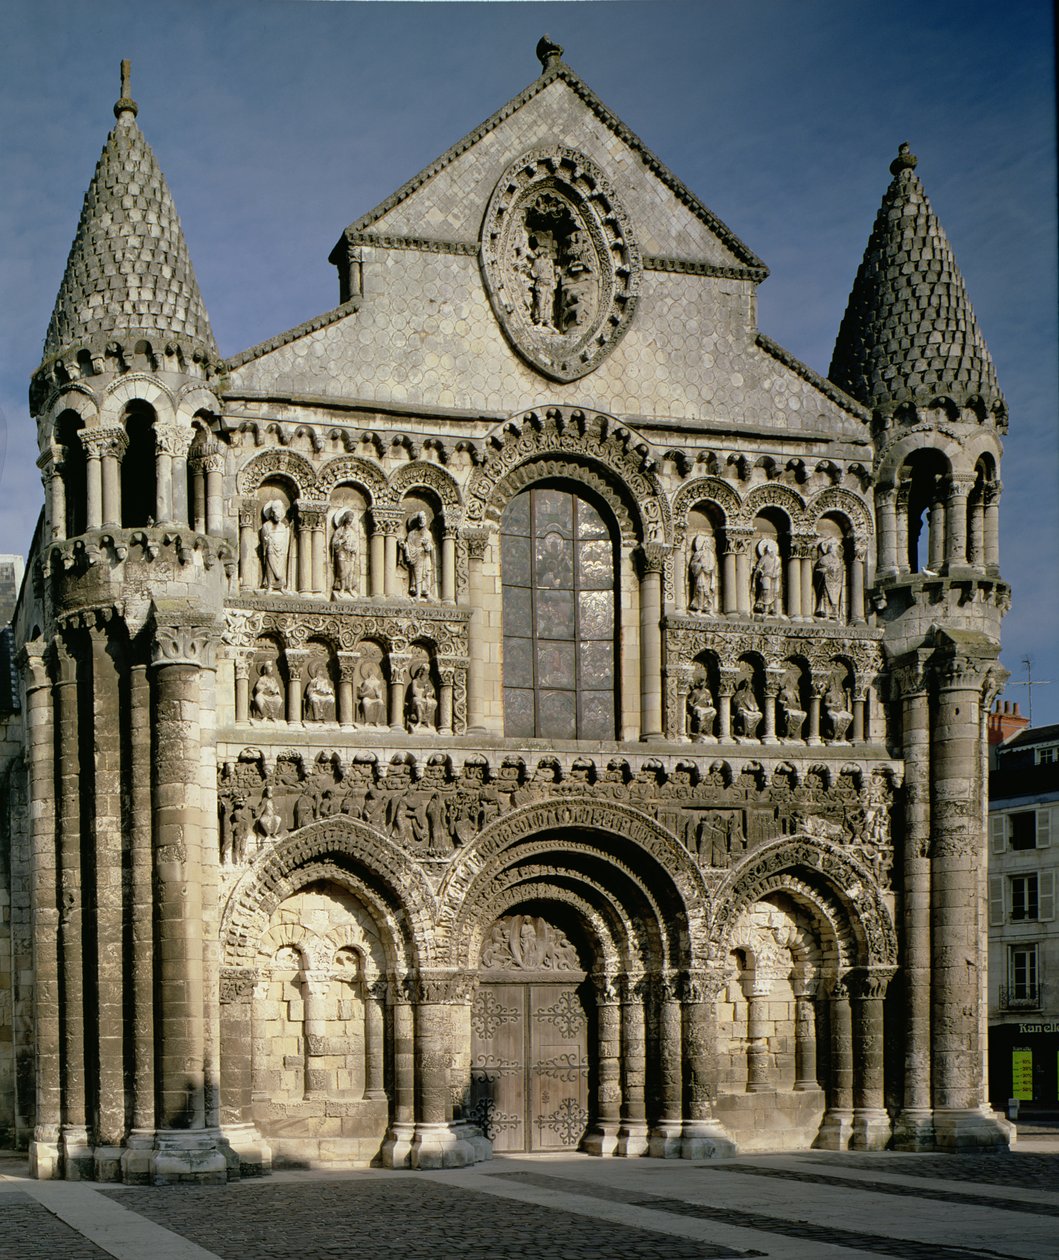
(420, 473)
(572, 440)
(826, 876)
(835, 499)
(602, 929)
(368, 863)
(352, 468)
(704, 489)
(278, 462)
(775, 495)
(663, 873)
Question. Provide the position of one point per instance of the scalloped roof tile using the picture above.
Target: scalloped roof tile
(128, 272)
(909, 333)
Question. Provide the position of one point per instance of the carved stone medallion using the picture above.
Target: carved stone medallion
(559, 261)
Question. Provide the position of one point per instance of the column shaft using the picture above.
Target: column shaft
(214, 500)
(651, 655)
(448, 567)
(94, 490)
(139, 829)
(41, 738)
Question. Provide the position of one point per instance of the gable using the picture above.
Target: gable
(446, 201)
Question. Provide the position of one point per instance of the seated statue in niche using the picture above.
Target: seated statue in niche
(828, 573)
(320, 695)
(838, 710)
(344, 556)
(766, 578)
(746, 711)
(274, 536)
(269, 825)
(422, 699)
(790, 703)
(702, 574)
(701, 711)
(419, 556)
(266, 702)
(370, 703)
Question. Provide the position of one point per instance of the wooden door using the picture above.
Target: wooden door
(529, 1041)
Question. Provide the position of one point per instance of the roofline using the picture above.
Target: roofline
(292, 334)
(558, 70)
(829, 389)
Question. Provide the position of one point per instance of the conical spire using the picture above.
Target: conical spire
(128, 276)
(909, 333)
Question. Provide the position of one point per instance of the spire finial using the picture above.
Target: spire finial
(548, 52)
(906, 160)
(126, 105)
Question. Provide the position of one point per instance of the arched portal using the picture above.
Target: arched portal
(532, 1032)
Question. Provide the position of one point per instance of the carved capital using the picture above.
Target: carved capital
(804, 546)
(960, 485)
(991, 493)
(172, 439)
(237, 984)
(297, 659)
(184, 643)
(33, 666)
(607, 989)
(111, 440)
(388, 521)
(312, 513)
(869, 982)
(249, 512)
(701, 985)
(477, 540)
(447, 988)
(652, 557)
(347, 666)
(738, 540)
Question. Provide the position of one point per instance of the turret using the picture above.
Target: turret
(910, 349)
(123, 388)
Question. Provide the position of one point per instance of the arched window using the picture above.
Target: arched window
(560, 616)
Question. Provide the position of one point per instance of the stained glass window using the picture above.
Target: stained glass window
(560, 617)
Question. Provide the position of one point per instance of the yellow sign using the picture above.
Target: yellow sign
(1022, 1075)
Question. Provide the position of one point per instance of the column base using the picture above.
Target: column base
(76, 1155)
(706, 1139)
(914, 1130)
(632, 1139)
(136, 1157)
(601, 1139)
(45, 1160)
(397, 1148)
(483, 1147)
(246, 1152)
(665, 1140)
(441, 1146)
(871, 1129)
(182, 1155)
(107, 1163)
(972, 1130)
(835, 1132)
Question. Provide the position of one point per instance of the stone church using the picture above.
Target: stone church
(523, 708)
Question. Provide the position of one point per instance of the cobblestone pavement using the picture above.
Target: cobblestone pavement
(811, 1206)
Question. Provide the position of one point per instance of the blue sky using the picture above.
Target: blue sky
(277, 122)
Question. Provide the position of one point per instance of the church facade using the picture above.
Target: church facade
(523, 708)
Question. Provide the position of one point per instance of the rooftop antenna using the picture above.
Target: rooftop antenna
(1029, 684)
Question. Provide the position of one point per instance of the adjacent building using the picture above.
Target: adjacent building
(1023, 929)
(522, 708)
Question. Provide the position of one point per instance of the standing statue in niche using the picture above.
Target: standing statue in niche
(266, 703)
(370, 702)
(543, 283)
(745, 708)
(419, 556)
(828, 573)
(344, 555)
(766, 579)
(701, 711)
(702, 574)
(320, 695)
(422, 701)
(275, 546)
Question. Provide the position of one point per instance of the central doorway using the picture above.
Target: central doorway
(530, 1038)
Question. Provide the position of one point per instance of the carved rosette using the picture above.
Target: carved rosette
(559, 262)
